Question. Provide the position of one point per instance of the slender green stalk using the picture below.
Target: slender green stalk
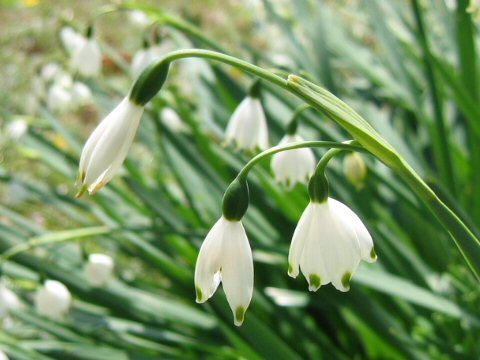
(468, 73)
(242, 175)
(443, 159)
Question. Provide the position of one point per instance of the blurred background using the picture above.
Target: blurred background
(409, 67)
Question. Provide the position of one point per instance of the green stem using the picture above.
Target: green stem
(293, 124)
(441, 151)
(242, 175)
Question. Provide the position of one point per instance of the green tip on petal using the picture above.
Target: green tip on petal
(239, 315)
(314, 282)
(373, 254)
(81, 191)
(199, 294)
(346, 280)
(290, 271)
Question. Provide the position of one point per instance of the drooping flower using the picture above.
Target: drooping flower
(87, 58)
(328, 244)
(59, 98)
(81, 94)
(71, 40)
(292, 166)
(107, 146)
(98, 270)
(53, 300)
(247, 127)
(172, 120)
(225, 256)
(3, 356)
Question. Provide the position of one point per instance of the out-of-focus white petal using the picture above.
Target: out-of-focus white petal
(87, 59)
(8, 300)
(71, 40)
(247, 127)
(81, 94)
(59, 98)
(3, 356)
(98, 270)
(172, 121)
(237, 270)
(53, 300)
(292, 166)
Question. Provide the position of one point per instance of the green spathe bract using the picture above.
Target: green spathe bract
(235, 200)
(149, 82)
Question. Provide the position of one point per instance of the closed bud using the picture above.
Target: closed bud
(355, 169)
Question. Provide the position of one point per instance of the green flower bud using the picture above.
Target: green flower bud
(149, 82)
(235, 200)
(318, 188)
(355, 169)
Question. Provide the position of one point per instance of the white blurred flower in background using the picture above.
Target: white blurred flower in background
(53, 300)
(87, 58)
(99, 269)
(172, 120)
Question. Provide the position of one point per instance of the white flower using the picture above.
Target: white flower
(172, 121)
(16, 129)
(53, 300)
(8, 300)
(98, 270)
(138, 19)
(81, 94)
(107, 146)
(59, 98)
(328, 244)
(226, 256)
(3, 356)
(50, 71)
(294, 165)
(71, 40)
(143, 58)
(87, 58)
(247, 126)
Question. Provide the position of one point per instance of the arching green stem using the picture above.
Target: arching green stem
(242, 175)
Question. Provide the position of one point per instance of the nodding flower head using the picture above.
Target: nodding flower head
(87, 58)
(247, 127)
(225, 256)
(108, 145)
(292, 166)
(98, 270)
(328, 244)
(53, 300)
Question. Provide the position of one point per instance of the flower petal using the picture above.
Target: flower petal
(237, 270)
(298, 240)
(209, 262)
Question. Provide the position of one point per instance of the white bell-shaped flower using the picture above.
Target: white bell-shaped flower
(108, 145)
(247, 127)
(87, 58)
(3, 356)
(226, 256)
(59, 98)
(71, 40)
(292, 166)
(53, 300)
(138, 19)
(81, 94)
(172, 120)
(328, 244)
(99, 269)
(8, 300)
(50, 71)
